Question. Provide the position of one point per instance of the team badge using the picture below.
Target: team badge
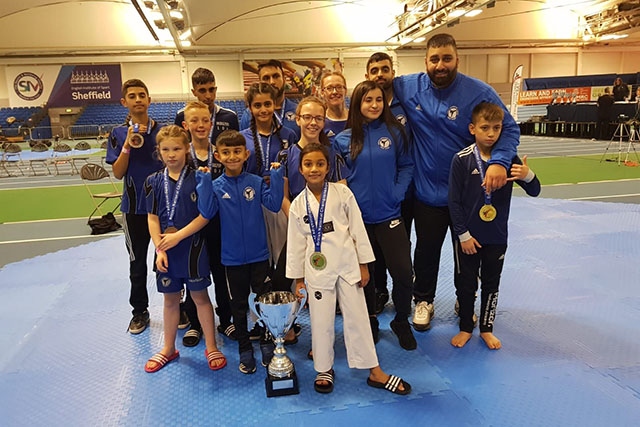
(249, 194)
(285, 144)
(166, 282)
(194, 196)
(452, 113)
(384, 143)
(401, 119)
(291, 116)
(317, 295)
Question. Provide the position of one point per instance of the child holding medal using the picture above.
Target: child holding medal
(375, 147)
(480, 222)
(329, 249)
(131, 152)
(197, 121)
(180, 203)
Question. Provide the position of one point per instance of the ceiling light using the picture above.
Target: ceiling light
(473, 13)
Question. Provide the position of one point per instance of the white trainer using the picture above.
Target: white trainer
(422, 316)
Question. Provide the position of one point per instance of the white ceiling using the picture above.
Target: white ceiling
(31, 28)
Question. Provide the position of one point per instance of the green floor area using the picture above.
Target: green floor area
(74, 201)
(32, 204)
(571, 170)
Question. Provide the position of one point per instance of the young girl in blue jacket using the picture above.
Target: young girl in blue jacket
(376, 150)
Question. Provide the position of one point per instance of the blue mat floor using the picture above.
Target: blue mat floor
(568, 320)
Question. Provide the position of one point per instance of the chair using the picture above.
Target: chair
(11, 159)
(81, 153)
(61, 156)
(92, 173)
(41, 159)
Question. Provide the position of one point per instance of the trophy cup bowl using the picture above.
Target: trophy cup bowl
(277, 312)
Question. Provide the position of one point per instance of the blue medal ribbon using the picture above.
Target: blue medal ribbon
(213, 124)
(316, 227)
(171, 210)
(476, 154)
(280, 117)
(265, 153)
(195, 158)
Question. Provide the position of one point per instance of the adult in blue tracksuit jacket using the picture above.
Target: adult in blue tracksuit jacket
(376, 151)
(438, 105)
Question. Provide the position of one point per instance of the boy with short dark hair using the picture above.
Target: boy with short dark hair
(239, 197)
(480, 222)
(204, 88)
(131, 153)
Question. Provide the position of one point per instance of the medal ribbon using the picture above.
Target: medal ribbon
(265, 153)
(209, 158)
(171, 210)
(148, 125)
(316, 227)
(213, 124)
(280, 117)
(476, 154)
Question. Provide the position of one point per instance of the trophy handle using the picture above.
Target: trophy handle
(254, 307)
(303, 302)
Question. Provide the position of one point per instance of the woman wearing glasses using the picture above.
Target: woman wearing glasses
(334, 92)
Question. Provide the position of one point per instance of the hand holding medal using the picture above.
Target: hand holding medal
(135, 139)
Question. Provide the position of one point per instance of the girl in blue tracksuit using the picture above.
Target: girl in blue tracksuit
(376, 150)
(239, 197)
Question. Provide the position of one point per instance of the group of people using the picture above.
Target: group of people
(619, 92)
(315, 195)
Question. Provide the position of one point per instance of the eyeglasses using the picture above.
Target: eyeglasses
(338, 88)
(308, 117)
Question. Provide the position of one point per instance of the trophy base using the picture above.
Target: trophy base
(281, 386)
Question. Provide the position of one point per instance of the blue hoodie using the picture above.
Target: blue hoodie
(439, 120)
(380, 174)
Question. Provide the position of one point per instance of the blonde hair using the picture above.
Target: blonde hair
(195, 105)
(173, 131)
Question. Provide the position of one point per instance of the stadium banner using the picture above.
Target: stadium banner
(302, 76)
(63, 86)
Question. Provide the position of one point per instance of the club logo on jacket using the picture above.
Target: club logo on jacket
(401, 119)
(291, 116)
(249, 194)
(452, 113)
(166, 282)
(384, 143)
(194, 196)
(317, 295)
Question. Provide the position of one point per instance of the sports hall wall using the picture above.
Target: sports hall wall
(168, 77)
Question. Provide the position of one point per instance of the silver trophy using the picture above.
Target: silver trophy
(277, 312)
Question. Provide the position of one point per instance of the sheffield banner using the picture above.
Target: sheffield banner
(64, 86)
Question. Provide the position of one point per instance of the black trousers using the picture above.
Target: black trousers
(486, 264)
(137, 238)
(379, 279)
(390, 238)
(211, 234)
(431, 229)
(243, 279)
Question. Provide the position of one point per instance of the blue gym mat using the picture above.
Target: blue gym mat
(567, 317)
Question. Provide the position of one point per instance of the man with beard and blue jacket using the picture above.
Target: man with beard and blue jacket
(438, 105)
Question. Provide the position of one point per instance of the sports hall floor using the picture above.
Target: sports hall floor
(568, 319)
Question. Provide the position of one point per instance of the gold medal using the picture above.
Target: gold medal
(318, 261)
(488, 213)
(170, 230)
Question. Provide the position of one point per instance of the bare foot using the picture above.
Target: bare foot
(460, 339)
(491, 340)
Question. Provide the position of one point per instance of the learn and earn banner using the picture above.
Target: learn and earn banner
(63, 86)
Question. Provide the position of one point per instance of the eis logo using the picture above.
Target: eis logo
(28, 86)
